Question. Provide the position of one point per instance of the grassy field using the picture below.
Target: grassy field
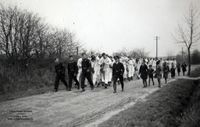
(173, 105)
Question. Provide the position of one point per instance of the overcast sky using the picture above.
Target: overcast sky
(111, 25)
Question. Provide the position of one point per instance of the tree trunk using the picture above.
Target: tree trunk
(189, 62)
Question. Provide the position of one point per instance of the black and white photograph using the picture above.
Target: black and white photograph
(99, 63)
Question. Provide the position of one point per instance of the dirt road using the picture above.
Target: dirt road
(69, 108)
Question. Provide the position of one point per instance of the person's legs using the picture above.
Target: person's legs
(152, 80)
(110, 77)
(165, 80)
(94, 78)
(149, 80)
(70, 81)
(103, 78)
(159, 85)
(89, 78)
(121, 79)
(106, 78)
(79, 75)
(77, 83)
(145, 82)
(56, 83)
(65, 83)
(83, 81)
(114, 84)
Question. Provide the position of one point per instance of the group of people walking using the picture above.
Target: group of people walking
(162, 69)
(102, 70)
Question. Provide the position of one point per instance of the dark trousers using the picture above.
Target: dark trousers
(151, 79)
(89, 78)
(183, 73)
(178, 73)
(115, 78)
(71, 78)
(58, 78)
(144, 82)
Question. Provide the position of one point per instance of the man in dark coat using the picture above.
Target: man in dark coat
(118, 71)
(72, 72)
(150, 74)
(178, 68)
(144, 73)
(184, 68)
(60, 75)
(165, 71)
(173, 71)
(86, 72)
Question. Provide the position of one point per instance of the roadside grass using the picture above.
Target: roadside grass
(191, 116)
(20, 85)
(37, 79)
(168, 107)
(195, 73)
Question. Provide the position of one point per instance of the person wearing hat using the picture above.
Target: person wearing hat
(118, 71)
(60, 75)
(86, 72)
(184, 68)
(173, 70)
(165, 71)
(72, 72)
(143, 71)
(150, 74)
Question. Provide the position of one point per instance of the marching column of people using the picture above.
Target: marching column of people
(102, 70)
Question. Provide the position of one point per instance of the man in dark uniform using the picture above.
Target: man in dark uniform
(184, 68)
(178, 68)
(165, 71)
(143, 71)
(60, 75)
(118, 71)
(150, 74)
(72, 72)
(86, 72)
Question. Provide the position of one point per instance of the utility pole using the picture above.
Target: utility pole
(157, 47)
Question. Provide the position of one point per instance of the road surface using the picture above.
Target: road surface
(70, 108)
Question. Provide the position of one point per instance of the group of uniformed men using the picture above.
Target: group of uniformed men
(103, 69)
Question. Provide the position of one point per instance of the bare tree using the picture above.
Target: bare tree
(135, 53)
(24, 36)
(6, 24)
(189, 32)
(138, 53)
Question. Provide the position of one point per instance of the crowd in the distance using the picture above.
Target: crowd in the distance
(104, 70)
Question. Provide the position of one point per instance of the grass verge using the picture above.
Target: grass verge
(191, 116)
